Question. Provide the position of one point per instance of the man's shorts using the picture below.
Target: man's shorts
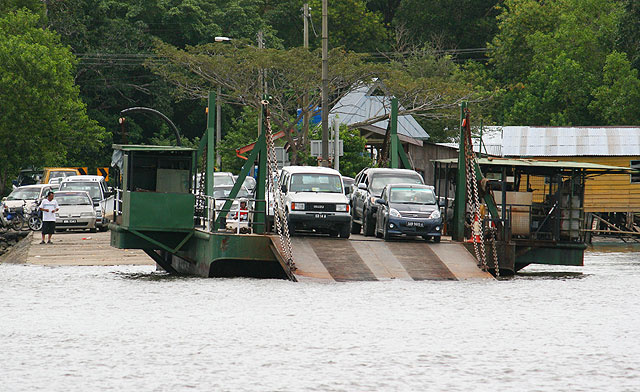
(48, 227)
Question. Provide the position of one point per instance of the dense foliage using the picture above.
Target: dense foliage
(552, 62)
(44, 121)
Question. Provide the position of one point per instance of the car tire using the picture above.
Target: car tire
(436, 239)
(385, 233)
(367, 225)
(94, 230)
(345, 231)
(355, 227)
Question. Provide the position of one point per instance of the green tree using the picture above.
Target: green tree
(351, 24)
(449, 23)
(616, 100)
(629, 32)
(44, 122)
(550, 56)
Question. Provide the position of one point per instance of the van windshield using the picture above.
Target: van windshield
(313, 182)
(92, 187)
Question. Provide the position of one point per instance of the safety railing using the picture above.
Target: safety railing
(240, 219)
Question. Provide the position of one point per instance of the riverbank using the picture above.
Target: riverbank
(72, 249)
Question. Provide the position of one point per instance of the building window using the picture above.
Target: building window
(635, 177)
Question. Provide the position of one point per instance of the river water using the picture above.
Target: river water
(134, 329)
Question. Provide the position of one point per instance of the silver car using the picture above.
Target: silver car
(76, 211)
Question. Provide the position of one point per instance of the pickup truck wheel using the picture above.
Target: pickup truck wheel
(345, 231)
(291, 226)
(367, 225)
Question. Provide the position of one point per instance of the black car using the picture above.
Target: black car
(368, 187)
(408, 209)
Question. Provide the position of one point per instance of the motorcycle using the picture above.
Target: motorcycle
(16, 218)
(11, 219)
(34, 220)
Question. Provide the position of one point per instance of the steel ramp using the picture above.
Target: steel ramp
(370, 259)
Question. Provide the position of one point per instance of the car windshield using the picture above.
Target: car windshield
(92, 187)
(72, 200)
(412, 196)
(312, 182)
(380, 181)
(24, 194)
(222, 179)
(223, 192)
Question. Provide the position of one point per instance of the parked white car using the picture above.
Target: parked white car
(100, 194)
(315, 200)
(32, 194)
(76, 211)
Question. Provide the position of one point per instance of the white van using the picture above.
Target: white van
(315, 200)
(100, 194)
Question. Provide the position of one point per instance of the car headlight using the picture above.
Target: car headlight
(342, 208)
(394, 213)
(297, 206)
(435, 214)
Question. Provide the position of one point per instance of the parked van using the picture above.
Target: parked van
(58, 172)
(315, 200)
(100, 194)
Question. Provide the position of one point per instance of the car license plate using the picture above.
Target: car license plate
(69, 221)
(320, 215)
(415, 224)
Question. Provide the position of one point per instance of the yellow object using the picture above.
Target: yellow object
(57, 172)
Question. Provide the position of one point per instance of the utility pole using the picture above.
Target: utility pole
(305, 98)
(261, 82)
(218, 128)
(325, 84)
(461, 189)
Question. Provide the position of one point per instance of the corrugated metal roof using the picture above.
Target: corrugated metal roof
(359, 105)
(532, 163)
(525, 141)
(491, 142)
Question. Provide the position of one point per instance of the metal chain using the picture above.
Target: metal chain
(200, 199)
(472, 190)
(494, 242)
(281, 224)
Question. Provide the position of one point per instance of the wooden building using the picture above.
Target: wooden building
(612, 146)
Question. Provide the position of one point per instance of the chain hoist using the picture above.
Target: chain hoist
(279, 220)
(477, 233)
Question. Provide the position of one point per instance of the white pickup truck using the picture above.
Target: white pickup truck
(315, 200)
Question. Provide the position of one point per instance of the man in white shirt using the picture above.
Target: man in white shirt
(49, 207)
